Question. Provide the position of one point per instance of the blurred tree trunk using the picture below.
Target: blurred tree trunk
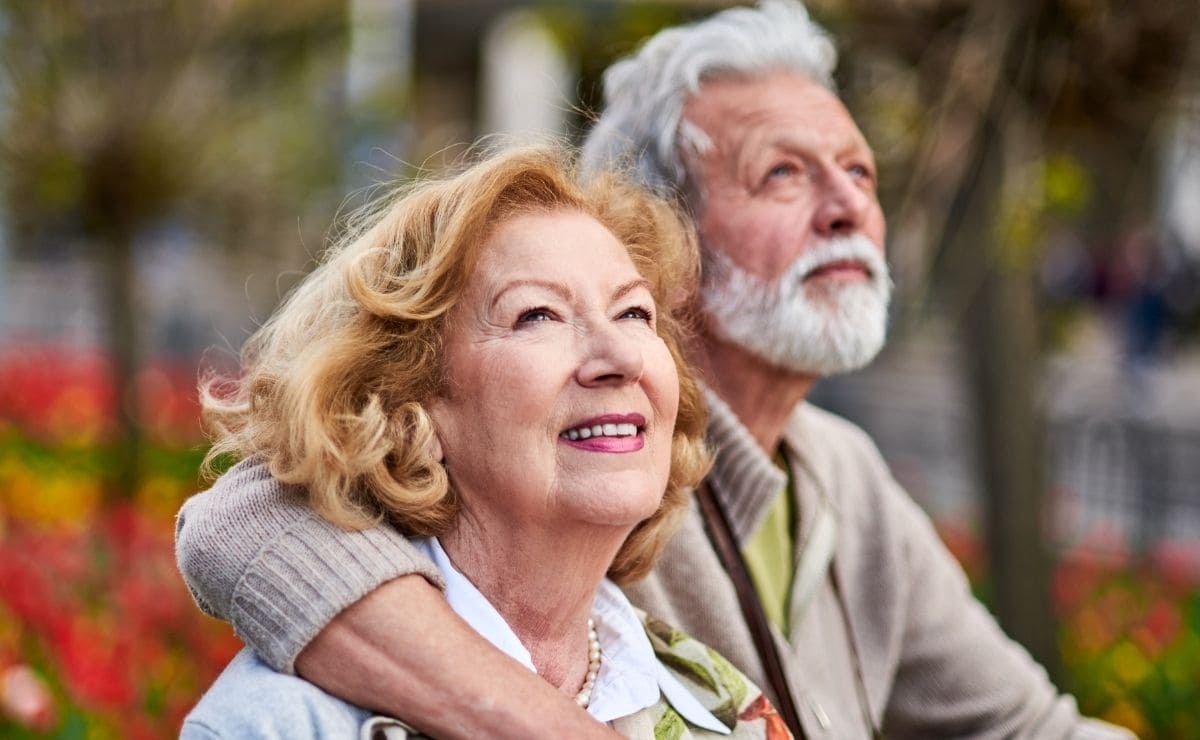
(124, 180)
(995, 269)
(1001, 337)
(118, 294)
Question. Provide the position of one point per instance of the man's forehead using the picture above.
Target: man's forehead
(779, 110)
(725, 90)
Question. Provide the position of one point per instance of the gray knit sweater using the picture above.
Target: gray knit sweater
(891, 635)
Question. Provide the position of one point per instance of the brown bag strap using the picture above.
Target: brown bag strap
(721, 534)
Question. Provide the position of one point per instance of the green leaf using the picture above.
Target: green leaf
(689, 668)
(664, 632)
(670, 726)
(734, 682)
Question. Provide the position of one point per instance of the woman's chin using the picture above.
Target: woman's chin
(622, 508)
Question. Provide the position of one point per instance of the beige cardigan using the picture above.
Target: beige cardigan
(897, 611)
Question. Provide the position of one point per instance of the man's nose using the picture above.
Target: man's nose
(610, 356)
(843, 206)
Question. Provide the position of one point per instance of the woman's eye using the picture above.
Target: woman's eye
(637, 312)
(535, 314)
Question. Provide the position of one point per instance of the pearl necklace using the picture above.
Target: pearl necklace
(584, 697)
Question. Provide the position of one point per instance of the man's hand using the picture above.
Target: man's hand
(402, 651)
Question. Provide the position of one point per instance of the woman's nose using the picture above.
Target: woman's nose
(610, 356)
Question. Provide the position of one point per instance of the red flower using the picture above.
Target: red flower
(95, 666)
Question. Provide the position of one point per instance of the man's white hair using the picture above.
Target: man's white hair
(644, 94)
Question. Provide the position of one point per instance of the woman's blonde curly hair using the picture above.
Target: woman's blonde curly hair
(333, 386)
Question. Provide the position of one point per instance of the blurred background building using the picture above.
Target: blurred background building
(169, 168)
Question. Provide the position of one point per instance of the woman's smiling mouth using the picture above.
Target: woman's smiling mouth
(608, 433)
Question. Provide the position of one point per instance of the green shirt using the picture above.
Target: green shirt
(769, 553)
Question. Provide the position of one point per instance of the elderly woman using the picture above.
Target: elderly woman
(492, 363)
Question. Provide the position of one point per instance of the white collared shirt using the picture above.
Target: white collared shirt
(630, 678)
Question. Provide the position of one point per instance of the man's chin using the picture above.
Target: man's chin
(830, 363)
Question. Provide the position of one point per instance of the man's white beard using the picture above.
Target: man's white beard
(820, 329)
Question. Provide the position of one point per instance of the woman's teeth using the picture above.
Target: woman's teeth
(601, 430)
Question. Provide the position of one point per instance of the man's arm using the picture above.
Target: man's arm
(958, 671)
(403, 651)
(935, 658)
(252, 553)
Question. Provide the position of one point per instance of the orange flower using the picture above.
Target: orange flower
(762, 708)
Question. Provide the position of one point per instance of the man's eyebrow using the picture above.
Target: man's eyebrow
(557, 288)
(790, 144)
(785, 141)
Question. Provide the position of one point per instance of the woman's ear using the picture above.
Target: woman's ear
(435, 447)
(433, 410)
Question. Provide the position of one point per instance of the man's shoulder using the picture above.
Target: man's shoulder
(250, 699)
(847, 469)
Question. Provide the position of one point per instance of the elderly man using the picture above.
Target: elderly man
(868, 616)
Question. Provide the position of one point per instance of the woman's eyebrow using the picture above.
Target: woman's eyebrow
(563, 291)
(558, 288)
(625, 289)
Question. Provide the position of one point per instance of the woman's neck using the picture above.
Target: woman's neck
(543, 584)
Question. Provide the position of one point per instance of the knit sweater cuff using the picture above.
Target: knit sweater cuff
(255, 554)
(306, 575)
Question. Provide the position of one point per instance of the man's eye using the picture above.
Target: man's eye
(535, 314)
(860, 172)
(783, 169)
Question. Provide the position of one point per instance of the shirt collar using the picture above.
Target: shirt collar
(630, 678)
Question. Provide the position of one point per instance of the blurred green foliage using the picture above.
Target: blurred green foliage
(1128, 629)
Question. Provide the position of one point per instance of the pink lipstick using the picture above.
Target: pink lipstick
(607, 433)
